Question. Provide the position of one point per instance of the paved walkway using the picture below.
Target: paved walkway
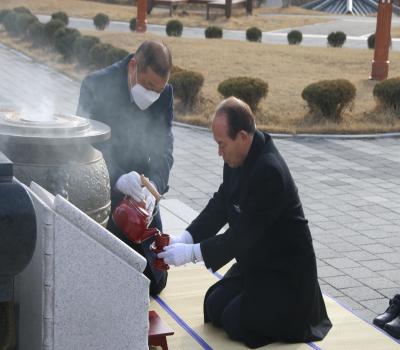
(356, 28)
(350, 188)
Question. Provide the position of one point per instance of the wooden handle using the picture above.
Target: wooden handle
(146, 183)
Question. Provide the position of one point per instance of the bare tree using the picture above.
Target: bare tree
(286, 3)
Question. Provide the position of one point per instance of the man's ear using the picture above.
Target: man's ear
(244, 136)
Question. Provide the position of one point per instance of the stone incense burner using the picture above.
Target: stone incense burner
(56, 152)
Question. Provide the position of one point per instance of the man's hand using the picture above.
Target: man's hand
(131, 185)
(177, 254)
(184, 237)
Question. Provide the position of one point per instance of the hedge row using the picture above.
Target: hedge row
(87, 51)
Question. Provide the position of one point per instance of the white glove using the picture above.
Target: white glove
(184, 237)
(131, 185)
(150, 201)
(180, 253)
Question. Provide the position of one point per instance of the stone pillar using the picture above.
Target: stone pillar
(380, 63)
(141, 21)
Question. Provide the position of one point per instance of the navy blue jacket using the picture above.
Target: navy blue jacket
(140, 140)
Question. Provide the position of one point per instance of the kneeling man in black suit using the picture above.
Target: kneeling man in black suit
(271, 293)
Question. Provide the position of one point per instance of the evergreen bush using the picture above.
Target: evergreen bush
(22, 9)
(174, 28)
(36, 34)
(187, 85)
(50, 29)
(3, 13)
(114, 55)
(336, 39)
(62, 16)
(101, 21)
(387, 92)
(371, 41)
(328, 98)
(64, 39)
(132, 24)
(294, 37)
(23, 22)
(81, 48)
(254, 34)
(10, 22)
(250, 90)
(213, 32)
(98, 54)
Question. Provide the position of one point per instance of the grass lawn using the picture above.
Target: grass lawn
(287, 69)
(194, 16)
(395, 32)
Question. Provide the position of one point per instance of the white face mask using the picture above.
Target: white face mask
(143, 98)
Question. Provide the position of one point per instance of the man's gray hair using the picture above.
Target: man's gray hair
(238, 114)
(155, 55)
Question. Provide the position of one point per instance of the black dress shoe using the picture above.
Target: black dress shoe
(390, 314)
(393, 328)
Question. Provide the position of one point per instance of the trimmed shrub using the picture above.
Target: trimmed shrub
(22, 9)
(62, 16)
(187, 85)
(98, 54)
(17, 23)
(3, 13)
(23, 22)
(10, 23)
(64, 39)
(213, 32)
(294, 37)
(174, 28)
(82, 46)
(329, 98)
(36, 34)
(132, 24)
(254, 34)
(336, 39)
(387, 93)
(50, 29)
(250, 90)
(114, 55)
(101, 21)
(371, 41)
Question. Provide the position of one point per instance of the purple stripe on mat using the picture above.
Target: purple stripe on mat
(183, 324)
(314, 346)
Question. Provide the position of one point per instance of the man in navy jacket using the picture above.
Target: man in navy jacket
(133, 97)
(271, 293)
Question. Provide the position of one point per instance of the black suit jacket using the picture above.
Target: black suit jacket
(269, 237)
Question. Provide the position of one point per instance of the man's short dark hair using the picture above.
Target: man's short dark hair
(155, 55)
(239, 116)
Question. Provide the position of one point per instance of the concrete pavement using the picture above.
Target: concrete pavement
(350, 188)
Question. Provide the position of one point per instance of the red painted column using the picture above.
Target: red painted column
(141, 21)
(380, 64)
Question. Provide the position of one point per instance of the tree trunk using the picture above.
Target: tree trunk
(286, 3)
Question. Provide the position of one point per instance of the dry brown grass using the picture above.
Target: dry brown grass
(287, 69)
(191, 17)
(395, 32)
